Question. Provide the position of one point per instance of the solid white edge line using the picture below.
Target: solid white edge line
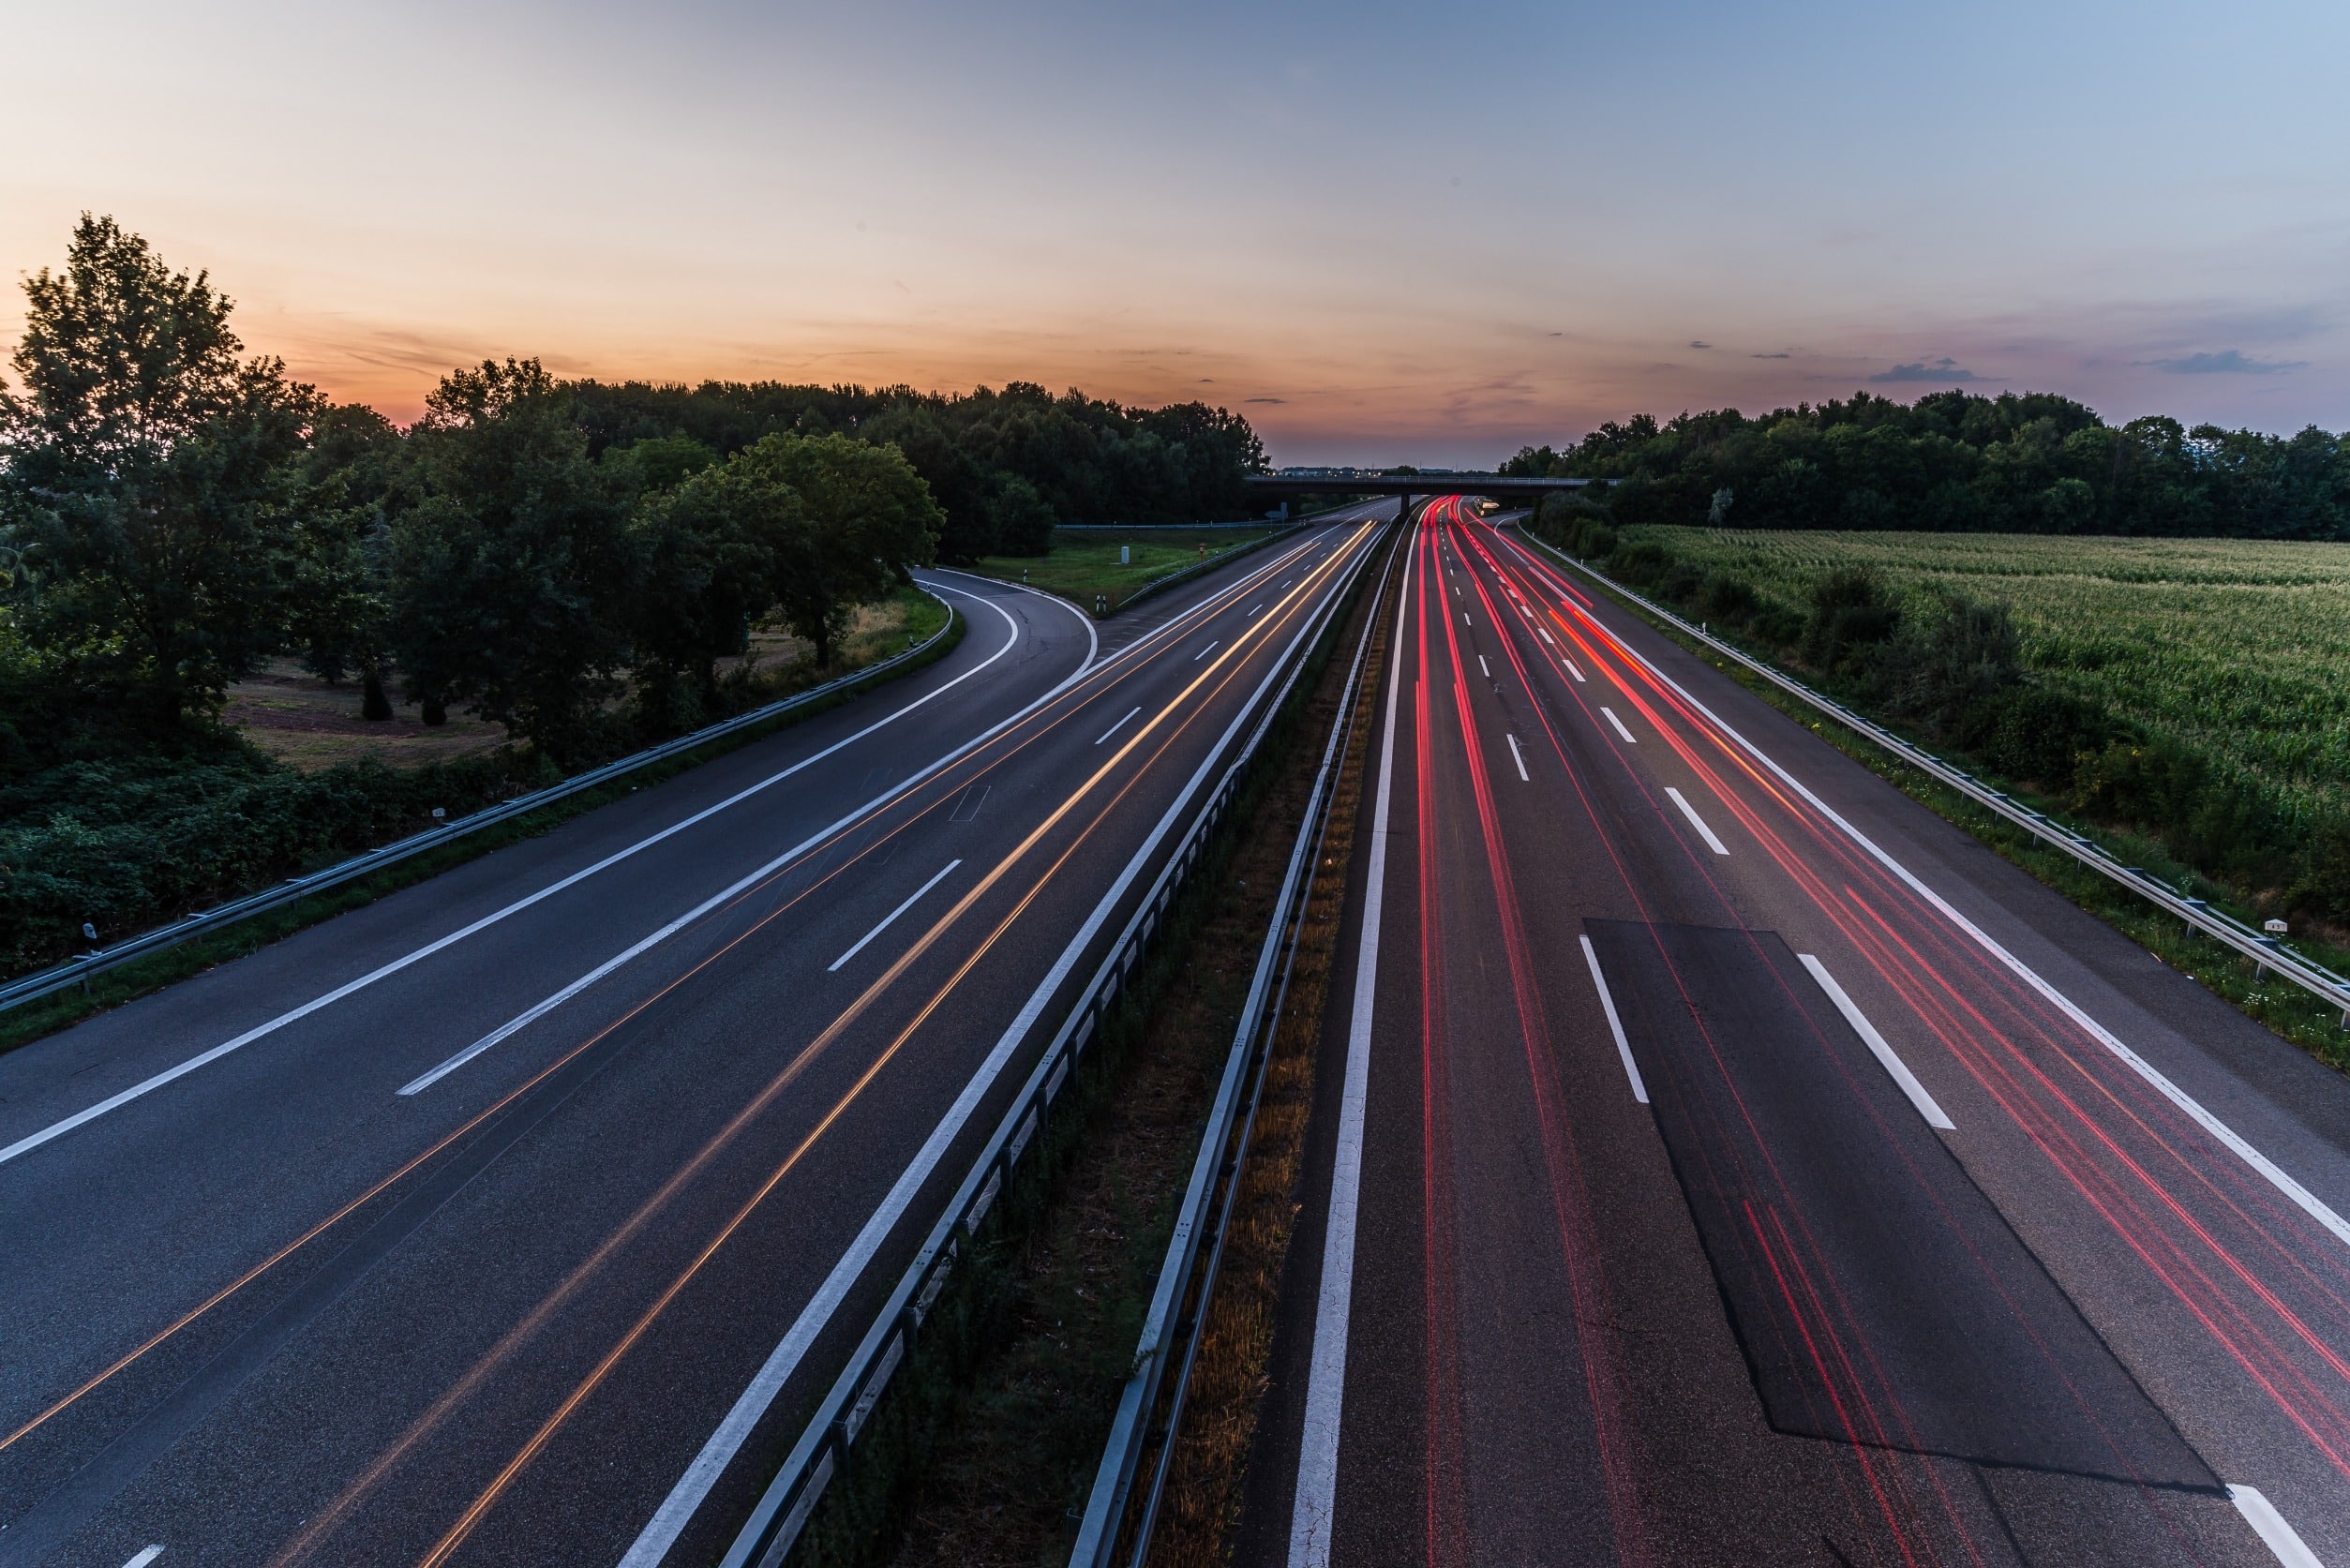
(203, 1058)
(149, 1554)
(1572, 667)
(678, 1508)
(1312, 1515)
(1619, 723)
(1516, 757)
(2306, 1201)
(1894, 1066)
(912, 899)
(1175, 628)
(1093, 636)
(1615, 1024)
(2280, 1537)
(1115, 729)
(1696, 821)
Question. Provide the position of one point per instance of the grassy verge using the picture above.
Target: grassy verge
(1081, 564)
(985, 1450)
(115, 987)
(2292, 1012)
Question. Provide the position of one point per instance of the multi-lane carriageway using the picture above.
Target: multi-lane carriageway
(1723, 1160)
(514, 1218)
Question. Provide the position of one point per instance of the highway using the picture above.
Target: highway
(1720, 1159)
(515, 1218)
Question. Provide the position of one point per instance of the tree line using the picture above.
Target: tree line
(573, 559)
(1005, 467)
(579, 561)
(1959, 462)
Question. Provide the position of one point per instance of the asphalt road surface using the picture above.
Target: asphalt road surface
(1721, 1159)
(515, 1218)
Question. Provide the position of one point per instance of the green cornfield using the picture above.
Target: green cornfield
(2239, 647)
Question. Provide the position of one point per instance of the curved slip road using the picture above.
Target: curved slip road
(1721, 1159)
(662, 1066)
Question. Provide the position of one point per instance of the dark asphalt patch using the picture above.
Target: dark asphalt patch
(1878, 1296)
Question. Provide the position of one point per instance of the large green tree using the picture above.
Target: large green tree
(352, 480)
(708, 555)
(510, 574)
(146, 485)
(869, 516)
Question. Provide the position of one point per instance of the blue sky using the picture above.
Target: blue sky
(1383, 232)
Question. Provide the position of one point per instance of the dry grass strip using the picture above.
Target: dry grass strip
(1201, 1506)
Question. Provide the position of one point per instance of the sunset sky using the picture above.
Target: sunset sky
(1383, 232)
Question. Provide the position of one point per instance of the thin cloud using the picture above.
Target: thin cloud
(1264, 399)
(1770, 356)
(1943, 369)
(2227, 362)
(1696, 343)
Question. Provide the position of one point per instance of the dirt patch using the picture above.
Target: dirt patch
(311, 725)
(308, 724)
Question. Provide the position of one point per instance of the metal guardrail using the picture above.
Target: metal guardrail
(827, 1444)
(1215, 1185)
(2264, 949)
(78, 971)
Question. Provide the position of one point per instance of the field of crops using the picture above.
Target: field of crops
(2241, 647)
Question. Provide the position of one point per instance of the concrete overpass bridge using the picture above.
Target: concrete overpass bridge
(1407, 487)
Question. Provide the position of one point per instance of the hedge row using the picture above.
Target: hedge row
(127, 842)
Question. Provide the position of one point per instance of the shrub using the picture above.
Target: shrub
(2031, 734)
(1853, 615)
(1680, 582)
(1582, 527)
(1961, 652)
(1643, 565)
(1731, 601)
(2325, 882)
(125, 841)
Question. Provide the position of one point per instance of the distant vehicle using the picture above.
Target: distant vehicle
(1488, 507)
